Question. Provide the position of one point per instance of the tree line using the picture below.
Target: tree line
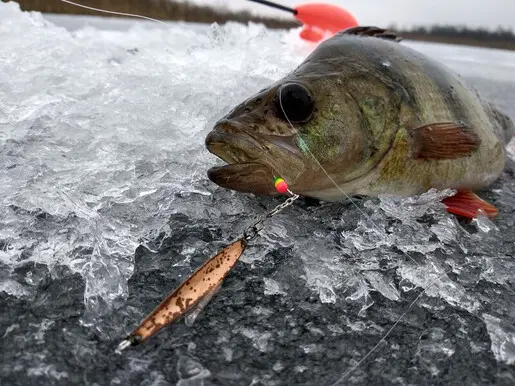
(500, 34)
(184, 11)
(156, 9)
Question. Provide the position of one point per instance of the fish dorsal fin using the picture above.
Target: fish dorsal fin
(372, 32)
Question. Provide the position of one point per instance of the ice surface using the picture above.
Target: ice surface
(191, 372)
(105, 207)
(434, 347)
(502, 336)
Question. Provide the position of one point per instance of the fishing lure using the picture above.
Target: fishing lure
(205, 281)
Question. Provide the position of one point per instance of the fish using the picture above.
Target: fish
(365, 115)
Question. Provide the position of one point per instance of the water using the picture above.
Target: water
(106, 207)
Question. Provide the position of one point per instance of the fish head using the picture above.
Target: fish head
(298, 129)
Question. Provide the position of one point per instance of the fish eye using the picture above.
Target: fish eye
(294, 102)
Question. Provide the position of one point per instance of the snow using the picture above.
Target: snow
(105, 206)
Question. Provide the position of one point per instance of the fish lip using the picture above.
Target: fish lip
(215, 171)
(245, 143)
(248, 177)
(244, 154)
(247, 150)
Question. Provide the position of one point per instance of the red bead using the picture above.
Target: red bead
(282, 187)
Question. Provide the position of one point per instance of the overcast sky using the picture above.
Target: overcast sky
(474, 13)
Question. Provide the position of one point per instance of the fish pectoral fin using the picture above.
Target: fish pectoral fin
(446, 140)
(372, 32)
(467, 204)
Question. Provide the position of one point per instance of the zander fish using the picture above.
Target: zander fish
(379, 117)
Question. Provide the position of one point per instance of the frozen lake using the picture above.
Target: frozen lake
(106, 207)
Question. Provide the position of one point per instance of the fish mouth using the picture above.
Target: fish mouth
(232, 148)
(244, 171)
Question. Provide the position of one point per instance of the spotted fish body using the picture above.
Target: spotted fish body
(385, 119)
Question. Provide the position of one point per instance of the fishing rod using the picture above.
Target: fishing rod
(319, 20)
(275, 5)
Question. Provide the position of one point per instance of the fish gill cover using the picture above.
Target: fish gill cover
(106, 207)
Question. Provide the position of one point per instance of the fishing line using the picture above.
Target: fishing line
(114, 12)
(254, 227)
(383, 338)
(350, 370)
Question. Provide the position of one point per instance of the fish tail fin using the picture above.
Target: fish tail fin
(467, 204)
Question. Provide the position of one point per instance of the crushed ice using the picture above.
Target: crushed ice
(502, 335)
(102, 138)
